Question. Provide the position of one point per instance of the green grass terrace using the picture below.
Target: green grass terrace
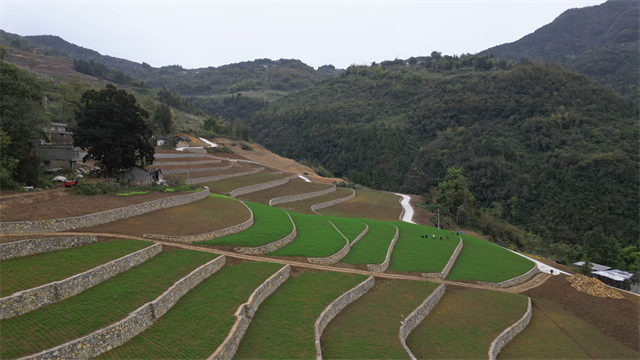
(316, 238)
(372, 248)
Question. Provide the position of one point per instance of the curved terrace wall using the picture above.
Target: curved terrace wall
(333, 309)
(273, 246)
(222, 177)
(105, 339)
(380, 268)
(192, 170)
(245, 313)
(415, 318)
(55, 225)
(514, 281)
(258, 187)
(292, 198)
(334, 258)
(509, 333)
(41, 296)
(207, 236)
(452, 260)
(332, 202)
(35, 246)
(171, 163)
(175, 156)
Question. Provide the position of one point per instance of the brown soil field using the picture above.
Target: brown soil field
(618, 318)
(200, 217)
(304, 206)
(375, 205)
(50, 66)
(293, 187)
(186, 165)
(63, 204)
(12, 238)
(157, 162)
(226, 185)
(420, 216)
(233, 170)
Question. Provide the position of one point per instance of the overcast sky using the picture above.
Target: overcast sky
(212, 33)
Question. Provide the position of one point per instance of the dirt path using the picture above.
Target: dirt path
(536, 281)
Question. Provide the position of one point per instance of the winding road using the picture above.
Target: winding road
(408, 210)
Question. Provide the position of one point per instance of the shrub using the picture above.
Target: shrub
(84, 188)
(246, 147)
(219, 149)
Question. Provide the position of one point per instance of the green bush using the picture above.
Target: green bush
(234, 143)
(246, 147)
(219, 149)
(133, 193)
(84, 188)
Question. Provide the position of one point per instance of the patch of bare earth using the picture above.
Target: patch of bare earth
(293, 187)
(369, 204)
(200, 174)
(304, 206)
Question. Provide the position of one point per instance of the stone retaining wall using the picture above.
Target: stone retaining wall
(208, 236)
(193, 170)
(333, 309)
(514, 281)
(292, 198)
(332, 259)
(361, 235)
(278, 172)
(380, 268)
(258, 187)
(415, 318)
(35, 246)
(172, 163)
(222, 177)
(245, 313)
(105, 339)
(41, 296)
(175, 156)
(56, 225)
(332, 202)
(273, 246)
(452, 260)
(509, 333)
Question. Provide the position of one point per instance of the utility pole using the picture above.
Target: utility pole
(438, 219)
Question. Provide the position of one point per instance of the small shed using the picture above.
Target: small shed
(616, 278)
(182, 141)
(138, 175)
(594, 266)
(160, 140)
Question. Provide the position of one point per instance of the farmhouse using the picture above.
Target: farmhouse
(160, 140)
(138, 175)
(59, 152)
(182, 141)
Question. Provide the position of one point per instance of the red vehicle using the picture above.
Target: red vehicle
(70, 183)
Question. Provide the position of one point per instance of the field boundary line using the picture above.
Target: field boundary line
(272, 246)
(380, 268)
(566, 333)
(258, 187)
(224, 176)
(511, 332)
(299, 197)
(414, 319)
(333, 258)
(447, 268)
(330, 203)
(22, 248)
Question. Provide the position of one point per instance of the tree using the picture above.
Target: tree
(435, 55)
(31, 62)
(163, 119)
(111, 125)
(3, 52)
(454, 190)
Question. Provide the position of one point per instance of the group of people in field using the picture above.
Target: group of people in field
(434, 236)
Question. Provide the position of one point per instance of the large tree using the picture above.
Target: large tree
(111, 125)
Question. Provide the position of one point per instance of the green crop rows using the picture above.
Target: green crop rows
(417, 254)
(316, 238)
(372, 249)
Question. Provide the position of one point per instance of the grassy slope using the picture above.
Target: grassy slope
(372, 248)
(464, 323)
(304, 206)
(225, 186)
(414, 253)
(480, 260)
(270, 224)
(57, 265)
(349, 227)
(283, 325)
(98, 306)
(201, 320)
(368, 204)
(368, 328)
(316, 238)
(533, 342)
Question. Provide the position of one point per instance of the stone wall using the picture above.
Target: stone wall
(175, 156)
(41, 296)
(380, 268)
(208, 236)
(56, 225)
(509, 333)
(193, 170)
(107, 338)
(415, 318)
(245, 313)
(278, 172)
(273, 246)
(514, 281)
(222, 177)
(332, 259)
(172, 163)
(292, 198)
(361, 235)
(35, 246)
(452, 260)
(332, 202)
(333, 309)
(258, 187)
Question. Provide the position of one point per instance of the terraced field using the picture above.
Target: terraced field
(226, 185)
(98, 306)
(293, 187)
(316, 238)
(415, 253)
(57, 265)
(372, 248)
(202, 174)
(375, 205)
(304, 206)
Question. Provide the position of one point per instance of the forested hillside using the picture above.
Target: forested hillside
(600, 41)
(543, 147)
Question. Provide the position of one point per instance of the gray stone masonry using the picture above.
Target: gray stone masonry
(292, 198)
(208, 236)
(380, 268)
(48, 226)
(245, 313)
(327, 204)
(253, 188)
(333, 309)
(273, 246)
(415, 318)
(41, 296)
(176, 156)
(514, 281)
(171, 163)
(361, 235)
(35, 246)
(107, 338)
(332, 259)
(452, 260)
(509, 333)
(193, 170)
(222, 177)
